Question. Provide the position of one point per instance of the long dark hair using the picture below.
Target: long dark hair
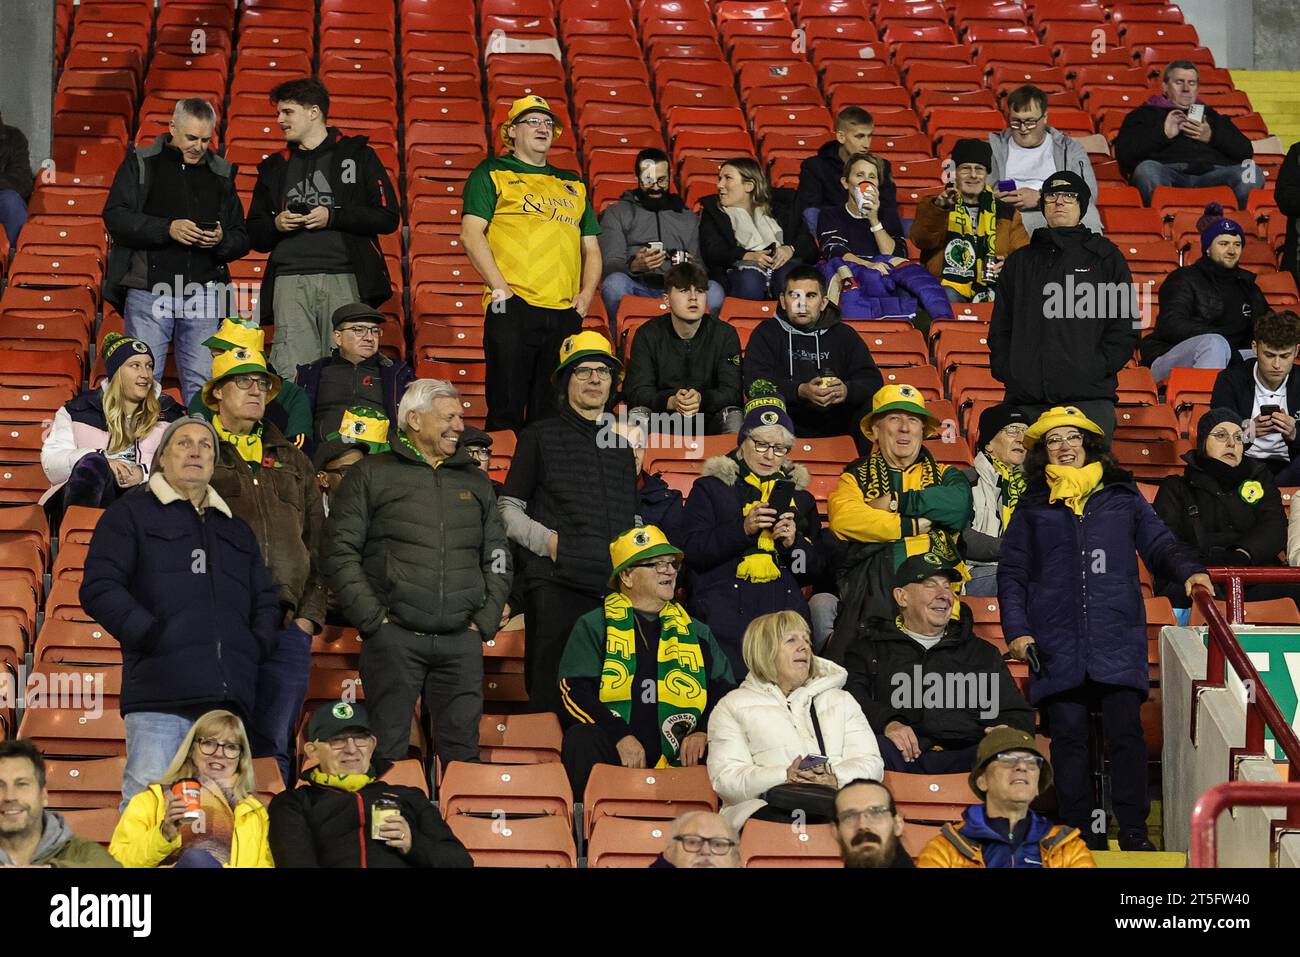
(1095, 446)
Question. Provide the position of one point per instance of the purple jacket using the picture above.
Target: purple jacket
(1072, 583)
(889, 297)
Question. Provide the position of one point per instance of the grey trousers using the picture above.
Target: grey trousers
(304, 306)
(398, 666)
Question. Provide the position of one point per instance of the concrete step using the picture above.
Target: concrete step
(1143, 859)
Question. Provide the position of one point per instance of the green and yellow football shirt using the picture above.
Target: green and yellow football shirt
(537, 217)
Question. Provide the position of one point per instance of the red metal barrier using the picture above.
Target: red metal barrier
(1262, 713)
(1205, 816)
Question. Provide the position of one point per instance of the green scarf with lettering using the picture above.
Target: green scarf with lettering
(968, 247)
(682, 691)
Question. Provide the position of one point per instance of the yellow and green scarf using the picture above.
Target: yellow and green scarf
(352, 783)
(248, 446)
(875, 478)
(682, 687)
(1011, 485)
(968, 247)
(1073, 485)
(758, 565)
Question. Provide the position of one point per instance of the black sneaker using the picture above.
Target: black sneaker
(1137, 841)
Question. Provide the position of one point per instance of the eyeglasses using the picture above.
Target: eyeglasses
(1012, 759)
(694, 843)
(357, 739)
(762, 448)
(537, 122)
(660, 181)
(663, 567)
(1016, 431)
(875, 813)
(482, 454)
(209, 747)
(1024, 125)
(587, 373)
(1228, 438)
(362, 332)
(1062, 199)
(245, 383)
(1056, 441)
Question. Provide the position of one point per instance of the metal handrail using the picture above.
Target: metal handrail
(1262, 712)
(1221, 797)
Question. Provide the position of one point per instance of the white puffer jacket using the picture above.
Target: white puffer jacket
(755, 732)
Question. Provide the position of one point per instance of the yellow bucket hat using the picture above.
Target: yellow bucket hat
(899, 398)
(1056, 417)
(585, 345)
(240, 361)
(530, 104)
(365, 426)
(636, 545)
(236, 333)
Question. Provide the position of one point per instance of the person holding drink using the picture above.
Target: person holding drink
(862, 226)
(202, 812)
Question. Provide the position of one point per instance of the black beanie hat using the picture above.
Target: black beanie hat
(1066, 182)
(972, 151)
(996, 418)
(1207, 423)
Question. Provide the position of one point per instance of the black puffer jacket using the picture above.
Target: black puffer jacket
(718, 239)
(1286, 192)
(1063, 321)
(882, 666)
(318, 826)
(1192, 303)
(281, 503)
(1221, 517)
(581, 486)
(422, 546)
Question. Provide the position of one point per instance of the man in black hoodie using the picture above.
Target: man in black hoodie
(1207, 309)
(319, 209)
(176, 221)
(1066, 317)
(820, 174)
(1160, 144)
(928, 685)
(821, 366)
(645, 233)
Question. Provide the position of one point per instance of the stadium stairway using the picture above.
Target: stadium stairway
(1275, 95)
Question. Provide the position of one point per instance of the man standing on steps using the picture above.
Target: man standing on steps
(319, 209)
(530, 231)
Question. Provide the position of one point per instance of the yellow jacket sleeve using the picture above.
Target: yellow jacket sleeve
(138, 839)
(853, 520)
(1072, 853)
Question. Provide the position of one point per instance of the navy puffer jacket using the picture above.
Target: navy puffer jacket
(186, 596)
(1072, 582)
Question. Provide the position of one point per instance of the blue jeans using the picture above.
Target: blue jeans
(755, 284)
(157, 321)
(1149, 174)
(13, 214)
(983, 580)
(1206, 351)
(953, 295)
(617, 285)
(152, 740)
(281, 690)
(192, 857)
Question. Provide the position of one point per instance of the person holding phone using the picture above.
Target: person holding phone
(789, 723)
(751, 532)
(1265, 394)
(963, 233)
(1174, 140)
(319, 208)
(176, 221)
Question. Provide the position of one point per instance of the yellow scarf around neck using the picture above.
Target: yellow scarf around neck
(1073, 485)
(248, 446)
(351, 783)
